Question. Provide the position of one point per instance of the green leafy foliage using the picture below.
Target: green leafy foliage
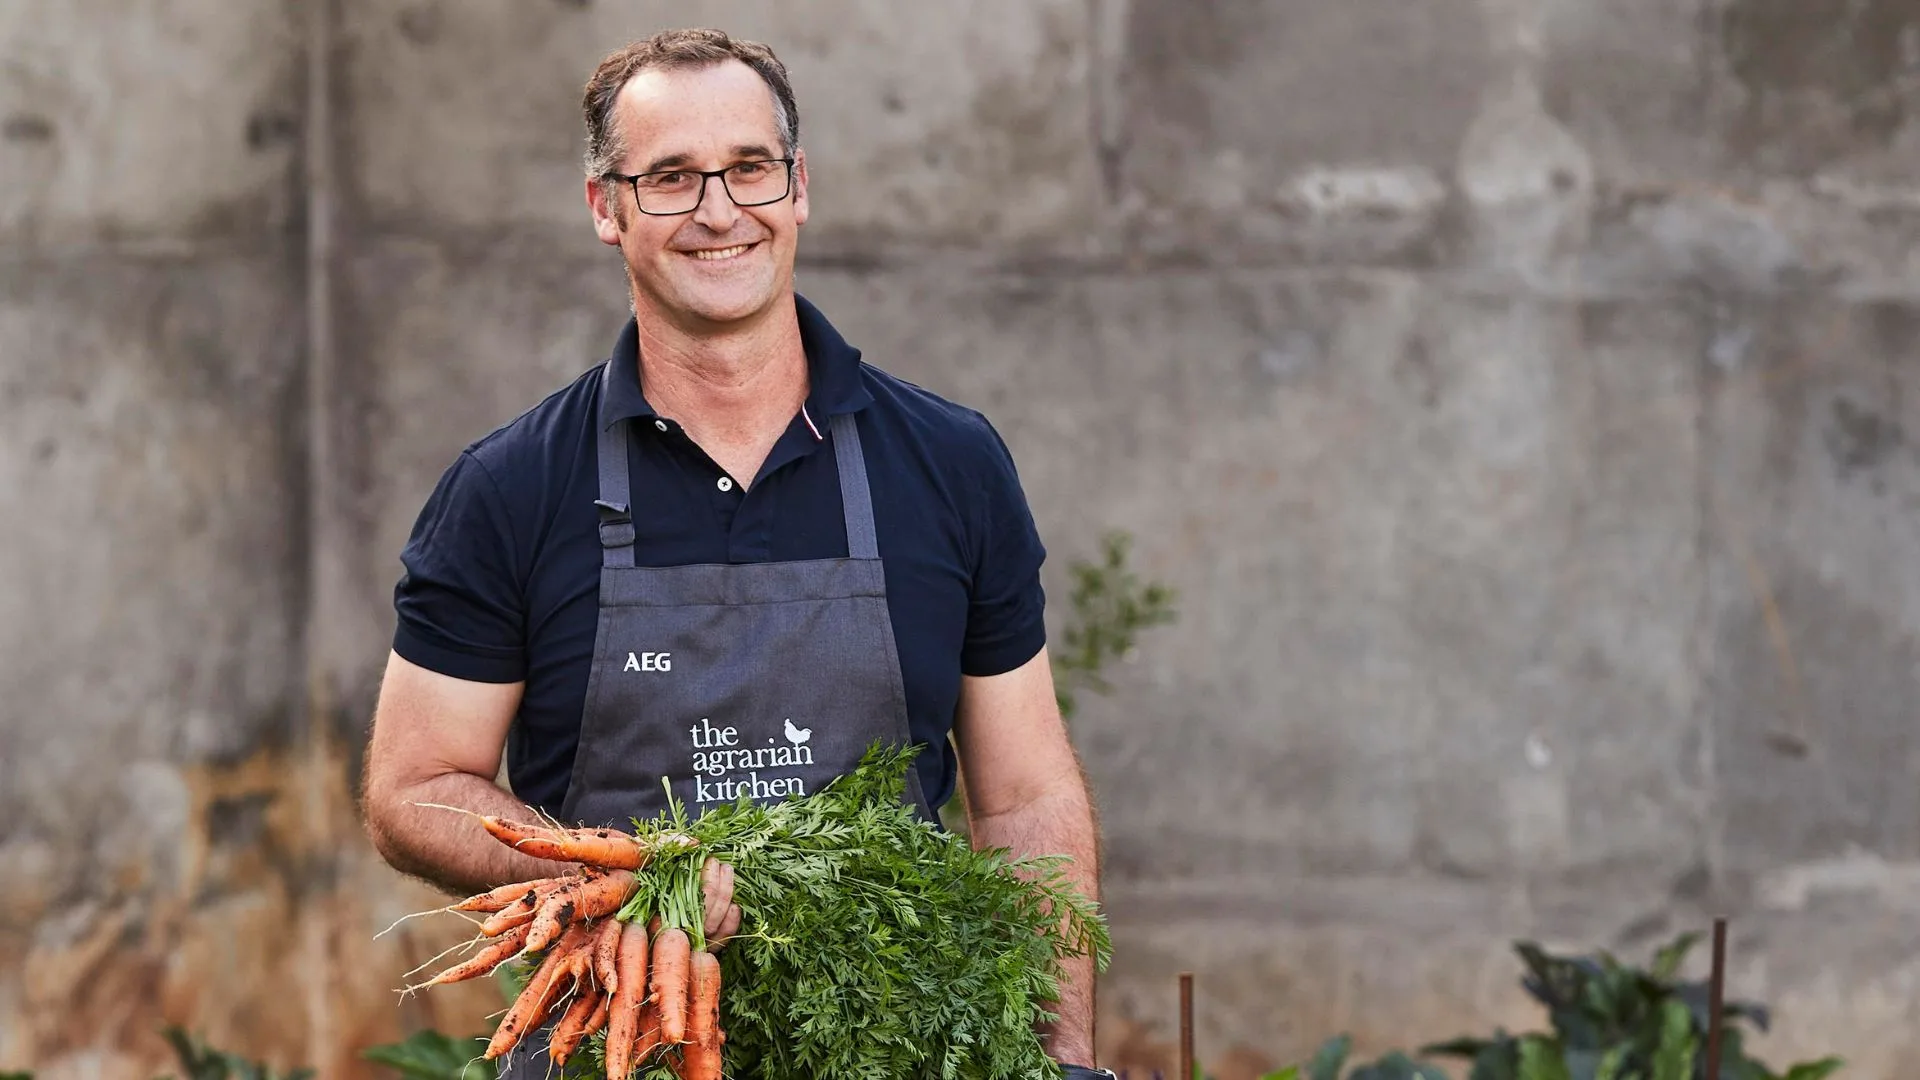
(1614, 1021)
(1331, 1057)
(201, 1062)
(1608, 1020)
(1110, 607)
(873, 945)
(1327, 1061)
(1813, 1070)
(430, 1055)
(1542, 1059)
(1673, 1056)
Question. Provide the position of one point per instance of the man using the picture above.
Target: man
(733, 555)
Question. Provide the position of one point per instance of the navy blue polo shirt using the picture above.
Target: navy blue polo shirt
(502, 569)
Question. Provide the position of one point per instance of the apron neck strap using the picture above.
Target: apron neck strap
(855, 497)
(616, 492)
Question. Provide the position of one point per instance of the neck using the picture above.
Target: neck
(729, 383)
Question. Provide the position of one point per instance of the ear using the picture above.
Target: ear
(800, 207)
(606, 221)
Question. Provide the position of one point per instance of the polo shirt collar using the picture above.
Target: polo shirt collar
(833, 371)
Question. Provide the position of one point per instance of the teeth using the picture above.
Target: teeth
(722, 253)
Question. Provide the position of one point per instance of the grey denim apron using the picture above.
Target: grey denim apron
(757, 679)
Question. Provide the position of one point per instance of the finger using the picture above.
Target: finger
(729, 926)
(717, 889)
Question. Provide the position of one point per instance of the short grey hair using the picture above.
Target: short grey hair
(671, 50)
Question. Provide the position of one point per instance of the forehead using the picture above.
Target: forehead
(698, 112)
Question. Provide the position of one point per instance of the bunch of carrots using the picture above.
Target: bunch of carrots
(602, 963)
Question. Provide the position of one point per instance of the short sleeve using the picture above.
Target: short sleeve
(1006, 614)
(459, 604)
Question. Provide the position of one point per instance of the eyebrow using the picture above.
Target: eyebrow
(741, 152)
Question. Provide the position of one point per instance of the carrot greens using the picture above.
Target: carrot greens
(873, 944)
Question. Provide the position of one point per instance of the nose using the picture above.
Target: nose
(716, 210)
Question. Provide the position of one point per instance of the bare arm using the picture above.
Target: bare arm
(437, 739)
(1026, 793)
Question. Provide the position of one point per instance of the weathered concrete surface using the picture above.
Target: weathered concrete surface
(955, 126)
(176, 847)
(1515, 390)
(1322, 443)
(1816, 594)
(160, 125)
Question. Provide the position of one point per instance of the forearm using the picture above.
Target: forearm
(1058, 822)
(447, 848)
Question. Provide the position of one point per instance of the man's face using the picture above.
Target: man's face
(721, 263)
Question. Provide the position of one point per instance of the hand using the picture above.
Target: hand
(723, 915)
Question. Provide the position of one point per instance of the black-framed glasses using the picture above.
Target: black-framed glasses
(666, 192)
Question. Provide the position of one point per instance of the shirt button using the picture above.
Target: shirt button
(661, 424)
(726, 483)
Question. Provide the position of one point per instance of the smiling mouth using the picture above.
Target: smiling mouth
(722, 254)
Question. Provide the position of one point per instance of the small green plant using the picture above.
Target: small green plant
(201, 1062)
(1331, 1058)
(1608, 1020)
(1615, 1021)
(431, 1055)
(1111, 607)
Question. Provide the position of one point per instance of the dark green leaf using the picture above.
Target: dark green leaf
(1541, 1059)
(1667, 961)
(430, 1055)
(1463, 1047)
(1330, 1058)
(1673, 1059)
(1397, 1066)
(1814, 1070)
(1499, 1061)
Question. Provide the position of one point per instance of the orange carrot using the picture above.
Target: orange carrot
(495, 899)
(518, 913)
(555, 916)
(572, 1027)
(648, 1039)
(599, 1018)
(623, 1015)
(671, 953)
(485, 960)
(606, 954)
(609, 849)
(530, 1009)
(511, 832)
(700, 1059)
(603, 894)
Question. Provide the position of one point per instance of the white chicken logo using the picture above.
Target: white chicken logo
(797, 735)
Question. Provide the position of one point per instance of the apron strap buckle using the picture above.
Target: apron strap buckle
(616, 524)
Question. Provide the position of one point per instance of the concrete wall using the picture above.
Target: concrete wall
(1515, 390)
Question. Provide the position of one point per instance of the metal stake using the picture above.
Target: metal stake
(1716, 996)
(1186, 1025)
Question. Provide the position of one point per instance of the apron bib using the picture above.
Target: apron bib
(762, 680)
